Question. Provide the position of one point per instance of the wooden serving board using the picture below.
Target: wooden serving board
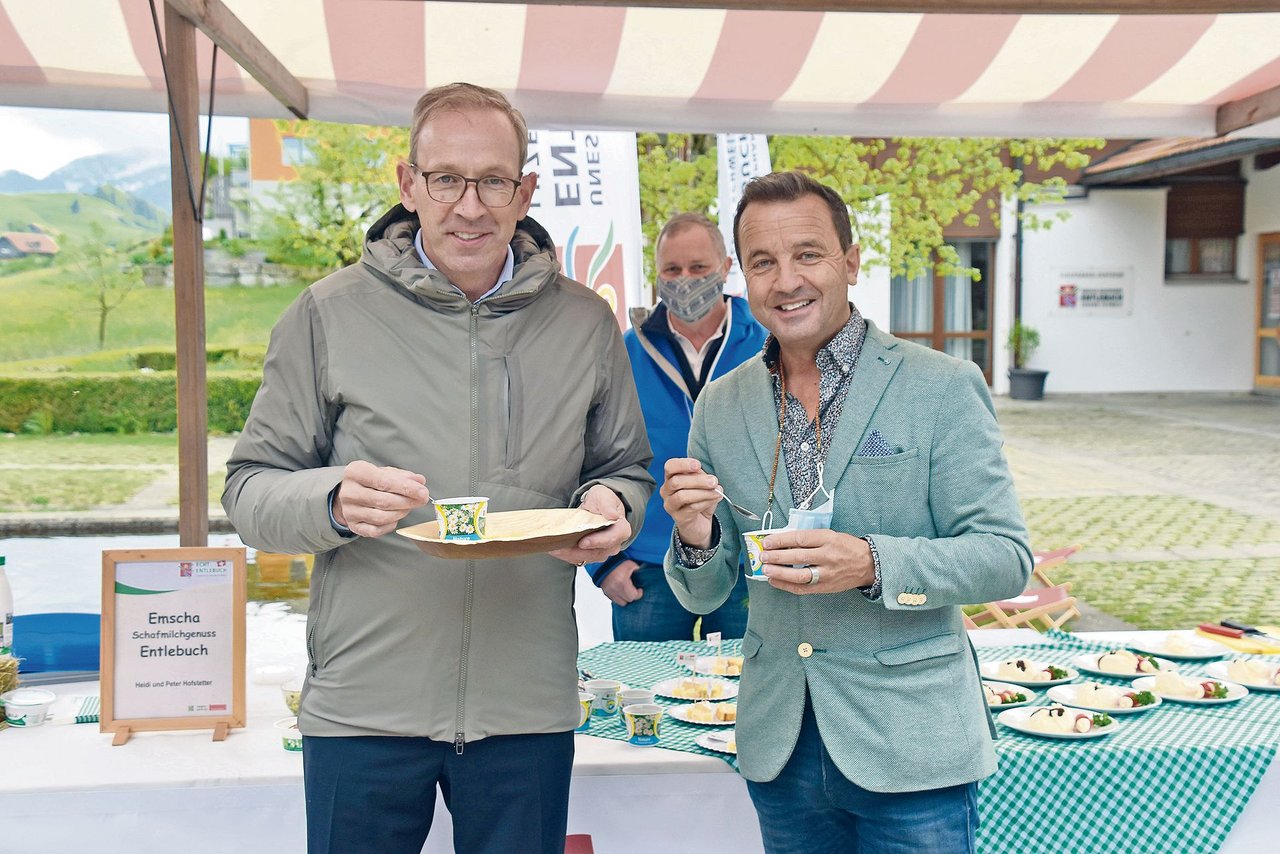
(510, 534)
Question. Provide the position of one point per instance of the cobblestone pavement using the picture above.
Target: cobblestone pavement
(1175, 499)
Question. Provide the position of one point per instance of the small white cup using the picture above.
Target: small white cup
(290, 738)
(27, 707)
(755, 544)
(635, 697)
(604, 694)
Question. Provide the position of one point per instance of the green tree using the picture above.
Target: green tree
(105, 273)
(345, 179)
(677, 174)
(931, 183)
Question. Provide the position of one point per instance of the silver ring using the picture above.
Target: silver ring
(813, 575)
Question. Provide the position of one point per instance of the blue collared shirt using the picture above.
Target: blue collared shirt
(508, 268)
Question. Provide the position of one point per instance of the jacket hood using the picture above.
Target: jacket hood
(390, 254)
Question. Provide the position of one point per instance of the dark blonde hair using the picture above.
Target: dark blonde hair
(467, 96)
(683, 221)
(790, 187)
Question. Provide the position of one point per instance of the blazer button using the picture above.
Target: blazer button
(904, 599)
(805, 650)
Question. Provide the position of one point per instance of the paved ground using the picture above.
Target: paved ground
(1175, 499)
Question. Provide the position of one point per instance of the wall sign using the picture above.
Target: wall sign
(1097, 291)
(173, 640)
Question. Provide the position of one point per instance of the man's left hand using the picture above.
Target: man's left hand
(841, 561)
(598, 545)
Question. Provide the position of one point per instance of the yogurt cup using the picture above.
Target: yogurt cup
(462, 518)
(27, 707)
(290, 738)
(754, 541)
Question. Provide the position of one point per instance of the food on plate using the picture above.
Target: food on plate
(728, 665)
(1173, 685)
(1029, 671)
(705, 712)
(1106, 696)
(1123, 661)
(1058, 720)
(698, 689)
(1002, 698)
(1176, 644)
(1253, 672)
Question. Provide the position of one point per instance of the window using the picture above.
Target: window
(1203, 218)
(948, 313)
(295, 151)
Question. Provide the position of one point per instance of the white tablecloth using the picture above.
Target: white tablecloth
(64, 788)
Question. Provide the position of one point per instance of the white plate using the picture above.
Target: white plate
(1016, 719)
(706, 663)
(1218, 670)
(717, 741)
(1065, 695)
(666, 688)
(1200, 649)
(681, 713)
(1234, 691)
(1006, 686)
(991, 670)
(1088, 663)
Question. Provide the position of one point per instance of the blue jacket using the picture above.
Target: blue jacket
(668, 411)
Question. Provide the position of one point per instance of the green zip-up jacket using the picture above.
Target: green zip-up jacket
(526, 397)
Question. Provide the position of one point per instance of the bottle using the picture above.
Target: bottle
(6, 612)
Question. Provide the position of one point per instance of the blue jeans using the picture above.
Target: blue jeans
(811, 808)
(377, 793)
(658, 616)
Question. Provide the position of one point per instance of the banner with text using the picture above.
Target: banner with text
(740, 157)
(588, 199)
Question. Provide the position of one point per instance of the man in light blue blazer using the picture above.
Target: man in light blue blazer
(861, 720)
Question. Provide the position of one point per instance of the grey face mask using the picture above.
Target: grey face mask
(691, 299)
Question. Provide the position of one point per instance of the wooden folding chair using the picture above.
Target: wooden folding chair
(1040, 608)
(1050, 559)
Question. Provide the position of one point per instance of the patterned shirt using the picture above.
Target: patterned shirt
(837, 360)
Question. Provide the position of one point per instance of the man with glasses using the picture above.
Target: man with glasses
(453, 359)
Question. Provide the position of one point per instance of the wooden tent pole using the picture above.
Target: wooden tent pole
(188, 281)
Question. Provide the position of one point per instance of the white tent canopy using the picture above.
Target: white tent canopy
(610, 66)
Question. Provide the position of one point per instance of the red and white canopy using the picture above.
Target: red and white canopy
(694, 69)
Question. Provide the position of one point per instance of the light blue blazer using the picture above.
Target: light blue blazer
(894, 683)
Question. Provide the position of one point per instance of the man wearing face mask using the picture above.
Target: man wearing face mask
(694, 335)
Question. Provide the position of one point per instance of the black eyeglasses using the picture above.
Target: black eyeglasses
(494, 191)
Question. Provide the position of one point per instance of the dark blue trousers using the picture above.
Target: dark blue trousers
(505, 793)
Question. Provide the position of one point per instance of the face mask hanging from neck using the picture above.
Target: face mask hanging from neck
(808, 517)
(691, 300)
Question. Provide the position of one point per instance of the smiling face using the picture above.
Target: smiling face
(466, 240)
(797, 276)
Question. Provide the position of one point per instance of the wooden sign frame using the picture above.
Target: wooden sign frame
(184, 562)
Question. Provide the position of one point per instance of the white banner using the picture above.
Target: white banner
(588, 198)
(740, 157)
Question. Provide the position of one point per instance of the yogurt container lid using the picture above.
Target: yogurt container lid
(28, 697)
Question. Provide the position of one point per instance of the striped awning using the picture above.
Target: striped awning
(693, 69)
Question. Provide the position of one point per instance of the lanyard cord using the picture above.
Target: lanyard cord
(777, 448)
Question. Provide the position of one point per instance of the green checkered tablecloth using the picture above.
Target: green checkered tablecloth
(1170, 781)
(1173, 779)
(639, 664)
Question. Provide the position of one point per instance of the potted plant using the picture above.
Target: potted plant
(1024, 383)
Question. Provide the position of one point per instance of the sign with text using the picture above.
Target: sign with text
(173, 639)
(1095, 291)
(741, 157)
(588, 199)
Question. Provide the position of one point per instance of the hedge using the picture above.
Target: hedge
(118, 403)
